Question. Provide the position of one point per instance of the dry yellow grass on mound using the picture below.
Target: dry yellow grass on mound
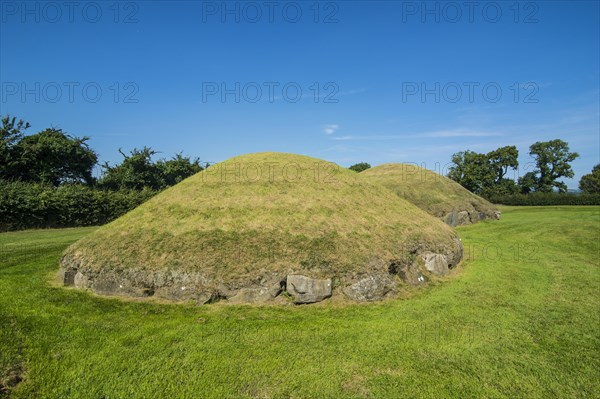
(265, 212)
(430, 191)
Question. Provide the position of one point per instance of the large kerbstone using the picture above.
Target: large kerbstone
(308, 290)
(454, 256)
(81, 281)
(67, 275)
(256, 295)
(408, 272)
(460, 218)
(436, 263)
(463, 218)
(370, 288)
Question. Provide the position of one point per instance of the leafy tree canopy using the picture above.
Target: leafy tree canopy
(552, 159)
(138, 171)
(590, 183)
(484, 174)
(11, 132)
(359, 167)
(178, 168)
(51, 156)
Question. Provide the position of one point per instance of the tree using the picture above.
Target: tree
(472, 170)
(590, 183)
(359, 167)
(11, 132)
(52, 156)
(178, 168)
(485, 174)
(528, 182)
(552, 161)
(136, 172)
(502, 159)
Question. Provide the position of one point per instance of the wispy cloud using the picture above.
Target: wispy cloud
(454, 133)
(367, 138)
(458, 133)
(330, 92)
(330, 129)
(352, 91)
(110, 135)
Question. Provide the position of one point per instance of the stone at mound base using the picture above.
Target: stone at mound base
(461, 218)
(436, 263)
(308, 290)
(408, 271)
(136, 283)
(256, 295)
(66, 275)
(81, 281)
(371, 288)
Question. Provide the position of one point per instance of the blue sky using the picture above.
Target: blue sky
(346, 81)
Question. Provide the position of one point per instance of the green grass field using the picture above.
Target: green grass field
(518, 319)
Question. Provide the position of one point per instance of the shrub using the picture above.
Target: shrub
(544, 199)
(32, 205)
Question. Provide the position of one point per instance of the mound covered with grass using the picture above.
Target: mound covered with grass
(434, 193)
(258, 225)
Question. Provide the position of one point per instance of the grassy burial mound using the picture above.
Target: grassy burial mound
(434, 193)
(259, 225)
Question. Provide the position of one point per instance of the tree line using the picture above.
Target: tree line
(56, 158)
(488, 174)
(46, 179)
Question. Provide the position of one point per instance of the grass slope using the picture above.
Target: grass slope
(265, 211)
(430, 191)
(519, 320)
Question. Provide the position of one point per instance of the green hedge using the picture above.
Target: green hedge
(541, 199)
(27, 205)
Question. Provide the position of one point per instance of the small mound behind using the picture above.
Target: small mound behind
(256, 225)
(434, 193)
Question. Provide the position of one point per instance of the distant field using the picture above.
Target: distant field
(519, 319)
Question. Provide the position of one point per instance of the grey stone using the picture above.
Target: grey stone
(450, 219)
(226, 291)
(184, 293)
(455, 254)
(252, 295)
(435, 263)
(459, 218)
(463, 218)
(106, 285)
(257, 294)
(474, 216)
(408, 272)
(67, 276)
(370, 288)
(308, 290)
(80, 281)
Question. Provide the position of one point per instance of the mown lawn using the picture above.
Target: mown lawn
(519, 319)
